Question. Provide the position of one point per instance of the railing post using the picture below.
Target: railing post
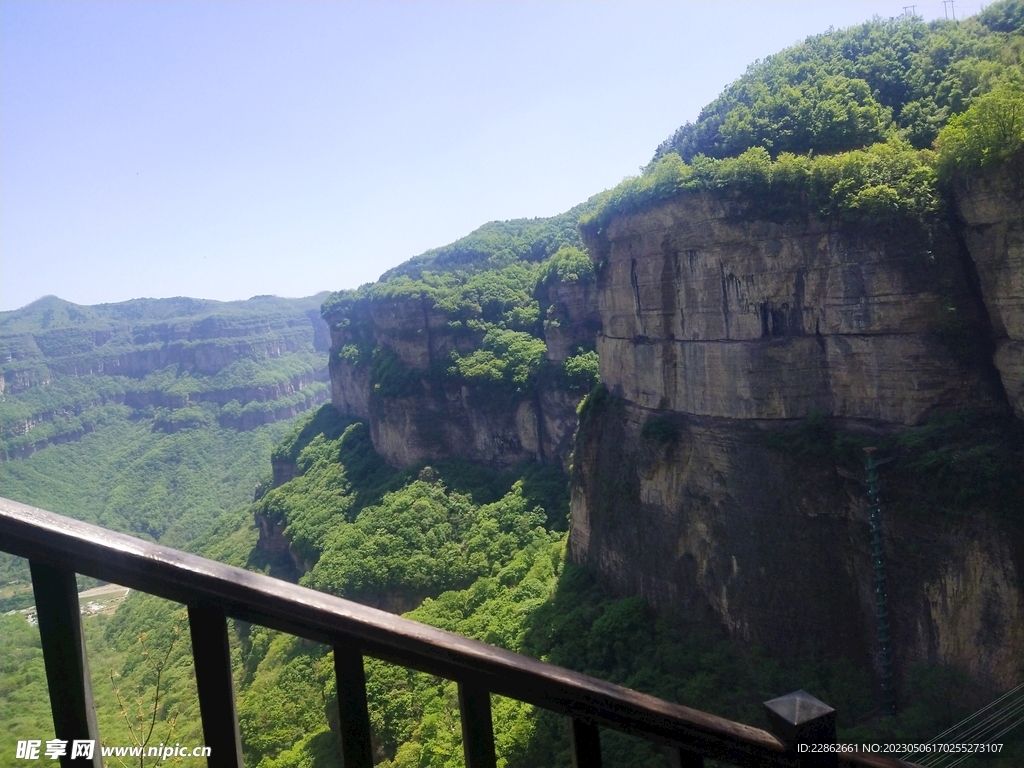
(356, 747)
(64, 657)
(212, 656)
(477, 726)
(585, 740)
(799, 720)
(685, 758)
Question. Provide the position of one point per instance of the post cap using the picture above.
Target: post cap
(799, 718)
(798, 707)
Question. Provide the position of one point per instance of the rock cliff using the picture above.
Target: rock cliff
(721, 330)
(432, 417)
(992, 211)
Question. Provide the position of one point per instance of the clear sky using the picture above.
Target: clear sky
(226, 149)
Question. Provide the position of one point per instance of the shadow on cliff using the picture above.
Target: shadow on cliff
(688, 660)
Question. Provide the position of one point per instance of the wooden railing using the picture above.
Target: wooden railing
(58, 547)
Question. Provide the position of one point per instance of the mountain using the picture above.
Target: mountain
(630, 439)
(151, 416)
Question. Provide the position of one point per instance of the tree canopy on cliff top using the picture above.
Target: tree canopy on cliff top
(839, 126)
(849, 88)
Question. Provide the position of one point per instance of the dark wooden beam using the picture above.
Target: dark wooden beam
(212, 655)
(65, 661)
(356, 747)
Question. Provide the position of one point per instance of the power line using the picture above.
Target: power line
(985, 726)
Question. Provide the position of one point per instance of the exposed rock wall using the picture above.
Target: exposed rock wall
(572, 318)
(709, 310)
(720, 327)
(442, 420)
(992, 209)
(460, 423)
(777, 550)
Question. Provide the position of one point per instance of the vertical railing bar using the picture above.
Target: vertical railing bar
(65, 661)
(685, 758)
(585, 739)
(212, 655)
(477, 726)
(356, 745)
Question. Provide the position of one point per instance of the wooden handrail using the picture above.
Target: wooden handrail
(218, 589)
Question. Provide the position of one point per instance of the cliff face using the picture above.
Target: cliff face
(435, 419)
(719, 329)
(992, 210)
(710, 311)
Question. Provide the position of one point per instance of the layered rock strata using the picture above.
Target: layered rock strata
(442, 419)
(721, 327)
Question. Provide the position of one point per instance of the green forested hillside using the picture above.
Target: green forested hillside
(480, 554)
(849, 88)
(151, 416)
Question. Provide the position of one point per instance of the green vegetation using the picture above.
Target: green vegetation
(957, 462)
(133, 421)
(490, 568)
(181, 363)
(125, 475)
(863, 127)
(988, 134)
(581, 370)
(839, 126)
(496, 245)
(889, 184)
(568, 265)
(511, 358)
(492, 290)
(493, 314)
(127, 652)
(849, 88)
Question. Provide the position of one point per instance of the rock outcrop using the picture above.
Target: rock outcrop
(721, 328)
(436, 419)
(992, 209)
(709, 310)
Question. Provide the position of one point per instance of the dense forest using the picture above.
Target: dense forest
(873, 125)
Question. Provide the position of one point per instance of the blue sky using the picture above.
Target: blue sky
(224, 150)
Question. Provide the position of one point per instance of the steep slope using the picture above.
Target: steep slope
(485, 358)
(763, 320)
(692, 488)
(762, 314)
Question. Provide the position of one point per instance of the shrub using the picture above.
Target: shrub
(990, 132)
(509, 358)
(582, 370)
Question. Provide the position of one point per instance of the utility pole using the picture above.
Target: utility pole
(910, 11)
(881, 598)
(948, 8)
